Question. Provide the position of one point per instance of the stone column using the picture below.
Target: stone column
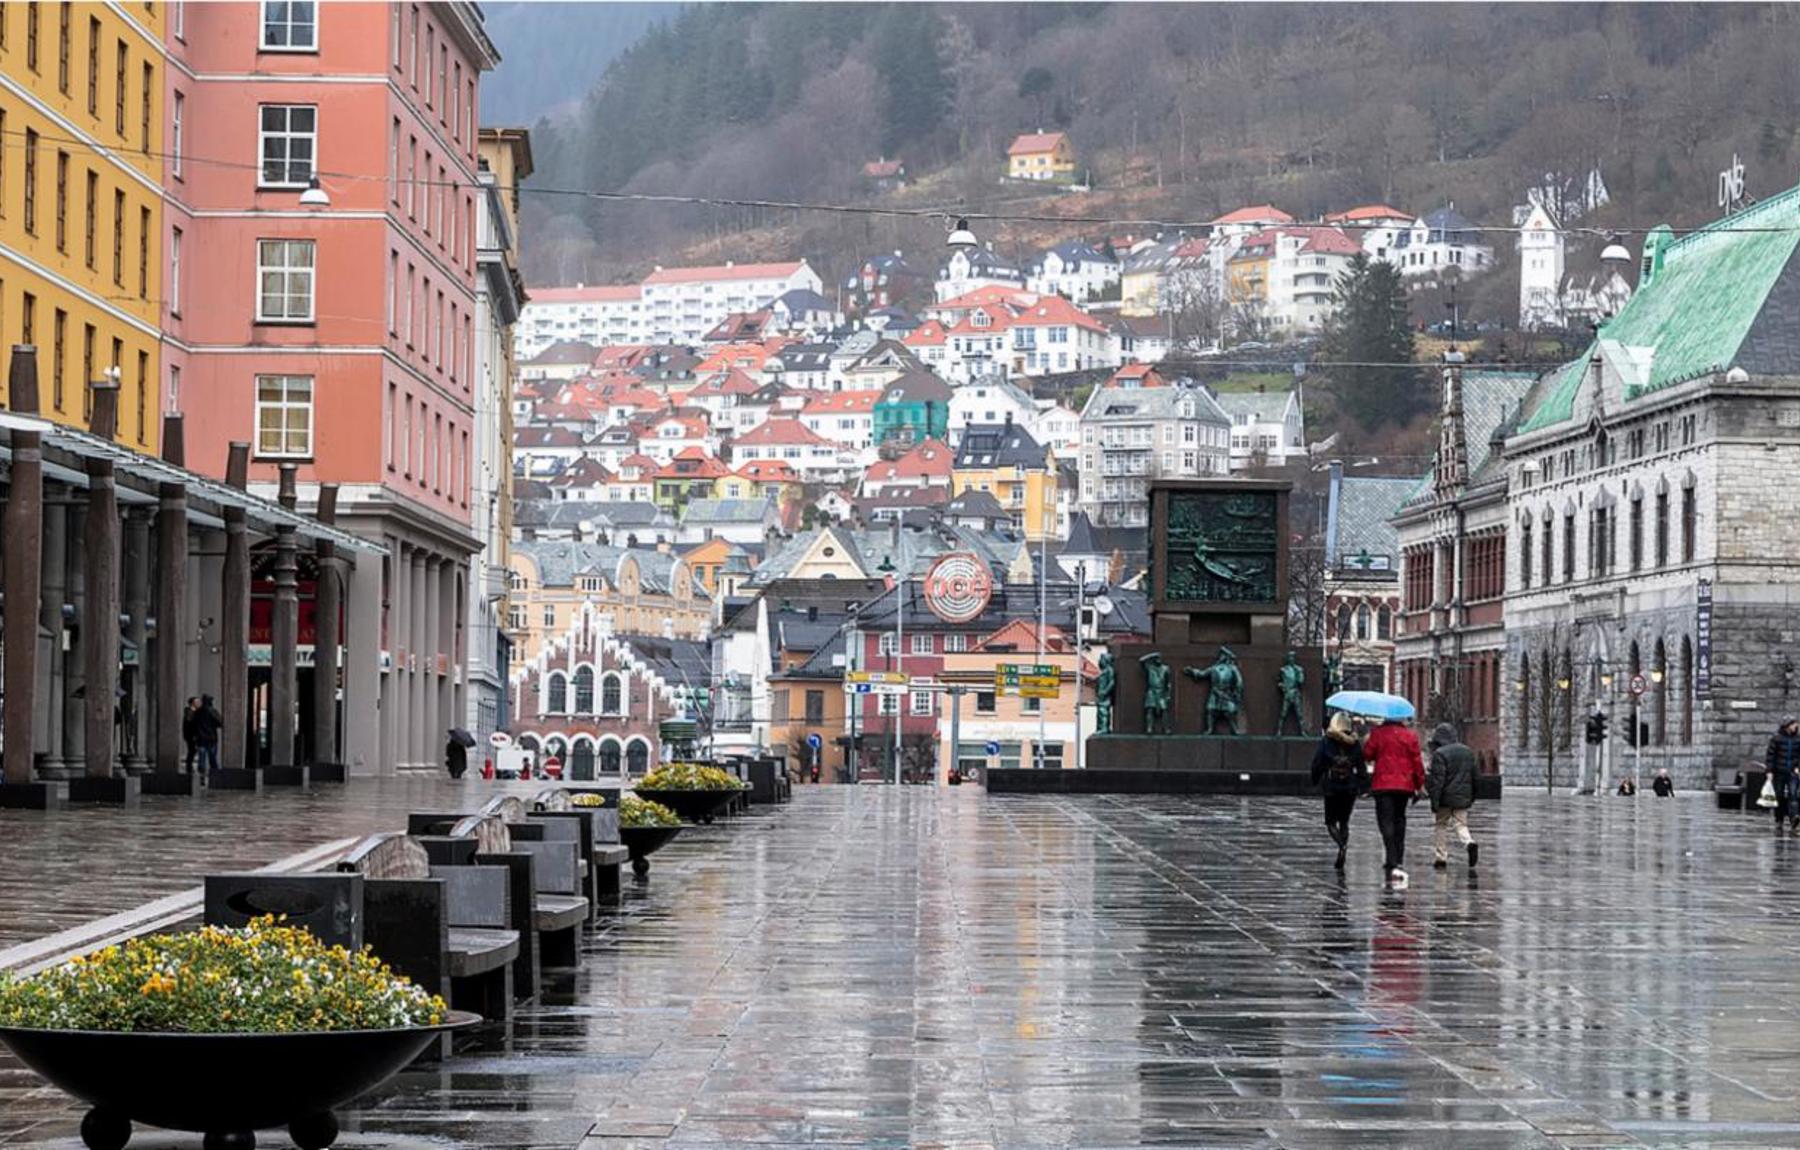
(433, 647)
(51, 680)
(413, 750)
(399, 679)
(171, 606)
(327, 603)
(284, 632)
(369, 697)
(234, 621)
(100, 610)
(20, 566)
(136, 558)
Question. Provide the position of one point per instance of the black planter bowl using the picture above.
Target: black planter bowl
(693, 806)
(642, 842)
(222, 1085)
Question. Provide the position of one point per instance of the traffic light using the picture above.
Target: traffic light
(1596, 729)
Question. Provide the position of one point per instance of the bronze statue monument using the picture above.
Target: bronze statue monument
(1291, 679)
(1104, 689)
(1225, 701)
(1159, 694)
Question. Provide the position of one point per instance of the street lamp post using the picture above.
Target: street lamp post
(1080, 588)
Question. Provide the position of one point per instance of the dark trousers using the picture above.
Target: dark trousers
(1337, 815)
(189, 761)
(1390, 816)
(1786, 803)
(209, 757)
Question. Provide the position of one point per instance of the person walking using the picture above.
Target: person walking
(1397, 778)
(1450, 781)
(1663, 786)
(207, 725)
(1340, 773)
(1782, 760)
(187, 731)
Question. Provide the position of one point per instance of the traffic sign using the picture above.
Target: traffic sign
(500, 739)
(1028, 680)
(1638, 686)
(895, 677)
(992, 747)
(814, 741)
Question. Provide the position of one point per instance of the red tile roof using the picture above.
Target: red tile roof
(841, 402)
(768, 471)
(928, 460)
(1258, 214)
(782, 431)
(881, 169)
(1055, 310)
(1031, 143)
(584, 293)
(1142, 373)
(699, 465)
(1330, 242)
(928, 334)
(724, 272)
(1367, 213)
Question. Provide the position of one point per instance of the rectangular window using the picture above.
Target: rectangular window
(413, 47)
(456, 97)
(87, 369)
(93, 207)
(119, 238)
(888, 704)
(284, 281)
(143, 397)
(290, 26)
(177, 134)
(1050, 756)
(394, 163)
(411, 272)
(393, 309)
(887, 644)
(62, 47)
(1662, 528)
(287, 136)
(59, 324)
(1690, 524)
(121, 68)
(815, 707)
(430, 51)
(31, 35)
(921, 644)
(62, 201)
(174, 388)
(399, 38)
(149, 91)
(144, 253)
(175, 271)
(412, 177)
(1637, 531)
(469, 111)
(984, 702)
(393, 426)
(1568, 545)
(31, 147)
(921, 702)
(178, 18)
(93, 66)
(1030, 706)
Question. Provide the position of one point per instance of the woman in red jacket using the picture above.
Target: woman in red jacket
(1397, 779)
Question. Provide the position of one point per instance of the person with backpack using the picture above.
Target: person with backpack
(1338, 770)
(1397, 779)
(1450, 780)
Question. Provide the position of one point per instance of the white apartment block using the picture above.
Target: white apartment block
(597, 315)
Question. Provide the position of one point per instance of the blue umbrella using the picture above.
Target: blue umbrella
(1375, 704)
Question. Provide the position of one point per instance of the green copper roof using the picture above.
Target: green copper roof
(1694, 314)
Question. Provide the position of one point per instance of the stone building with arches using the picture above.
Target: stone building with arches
(594, 698)
(631, 590)
(1649, 516)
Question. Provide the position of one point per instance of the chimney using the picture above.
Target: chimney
(22, 396)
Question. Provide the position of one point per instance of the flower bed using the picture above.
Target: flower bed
(587, 800)
(689, 777)
(264, 978)
(636, 812)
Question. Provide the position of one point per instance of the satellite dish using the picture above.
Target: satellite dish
(1103, 604)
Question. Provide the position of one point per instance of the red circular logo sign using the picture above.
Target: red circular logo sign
(958, 587)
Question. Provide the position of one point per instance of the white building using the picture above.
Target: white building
(844, 417)
(1439, 241)
(1549, 297)
(1376, 226)
(1303, 278)
(991, 400)
(598, 315)
(970, 268)
(680, 305)
(1137, 428)
(1074, 270)
(1267, 429)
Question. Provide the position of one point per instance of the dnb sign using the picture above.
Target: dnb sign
(958, 587)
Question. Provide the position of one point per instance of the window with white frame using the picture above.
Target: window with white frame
(888, 644)
(921, 702)
(284, 281)
(888, 704)
(284, 415)
(287, 137)
(921, 644)
(177, 133)
(290, 26)
(955, 641)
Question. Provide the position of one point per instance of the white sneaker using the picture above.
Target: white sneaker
(1397, 880)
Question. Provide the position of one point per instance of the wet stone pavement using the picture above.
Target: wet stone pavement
(882, 967)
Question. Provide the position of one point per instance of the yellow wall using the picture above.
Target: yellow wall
(1029, 496)
(57, 278)
(1059, 162)
(1247, 281)
(634, 612)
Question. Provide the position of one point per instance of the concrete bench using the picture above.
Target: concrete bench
(595, 831)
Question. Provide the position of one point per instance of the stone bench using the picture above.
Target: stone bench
(595, 831)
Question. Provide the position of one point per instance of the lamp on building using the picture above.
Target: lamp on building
(1523, 686)
(1606, 679)
(1562, 682)
(960, 236)
(314, 196)
(1656, 675)
(1614, 254)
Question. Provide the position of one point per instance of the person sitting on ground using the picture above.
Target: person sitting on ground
(1662, 784)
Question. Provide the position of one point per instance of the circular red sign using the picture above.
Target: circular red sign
(958, 587)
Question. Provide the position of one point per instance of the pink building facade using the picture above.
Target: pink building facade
(339, 336)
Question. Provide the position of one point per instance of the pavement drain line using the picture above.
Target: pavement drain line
(160, 914)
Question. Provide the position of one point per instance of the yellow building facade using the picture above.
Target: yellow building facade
(1028, 494)
(81, 190)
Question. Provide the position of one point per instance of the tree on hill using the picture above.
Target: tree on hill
(910, 63)
(1367, 341)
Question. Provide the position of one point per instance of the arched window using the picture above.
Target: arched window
(637, 757)
(1687, 692)
(581, 761)
(556, 695)
(611, 698)
(1362, 622)
(1343, 622)
(1525, 702)
(1659, 674)
(609, 758)
(1384, 623)
(584, 690)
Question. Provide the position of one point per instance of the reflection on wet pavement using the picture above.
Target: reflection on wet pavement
(882, 967)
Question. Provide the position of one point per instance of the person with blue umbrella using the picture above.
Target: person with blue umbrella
(1397, 771)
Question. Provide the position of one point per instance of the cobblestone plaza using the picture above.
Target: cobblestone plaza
(895, 967)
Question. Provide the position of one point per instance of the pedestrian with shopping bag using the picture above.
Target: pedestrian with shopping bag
(1781, 761)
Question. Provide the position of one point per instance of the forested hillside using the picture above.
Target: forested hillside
(1177, 111)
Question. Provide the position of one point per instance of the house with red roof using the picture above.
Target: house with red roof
(682, 304)
(884, 175)
(927, 464)
(786, 439)
(1248, 221)
(844, 417)
(679, 430)
(690, 475)
(633, 480)
(724, 396)
(1041, 156)
(1052, 335)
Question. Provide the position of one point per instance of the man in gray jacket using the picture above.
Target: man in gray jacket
(1450, 783)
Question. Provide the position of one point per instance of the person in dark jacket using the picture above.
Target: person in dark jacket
(207, 725)
(1663, 786)
(1397, 779)
(187, 731)
(1340, 774)
(1782, 760)
(1450, 781)
(456, 756)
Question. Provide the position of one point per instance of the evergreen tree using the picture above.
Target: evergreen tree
(1370, 333)
(915, 89)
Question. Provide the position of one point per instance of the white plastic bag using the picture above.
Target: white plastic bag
(1767, 798)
